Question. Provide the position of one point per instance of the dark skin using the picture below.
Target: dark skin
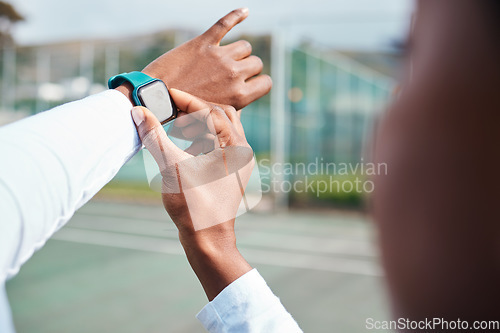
(226, 74)
(437, 209)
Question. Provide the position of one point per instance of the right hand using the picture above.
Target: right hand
(202, 193)
(221, 74)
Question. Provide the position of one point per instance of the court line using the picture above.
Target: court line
(167, 246)
(263, 238)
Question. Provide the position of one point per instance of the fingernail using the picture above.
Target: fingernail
(244, 10)
(137, 115)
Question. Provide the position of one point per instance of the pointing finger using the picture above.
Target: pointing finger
(225, 24)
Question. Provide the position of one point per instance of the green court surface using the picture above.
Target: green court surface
(119, 268)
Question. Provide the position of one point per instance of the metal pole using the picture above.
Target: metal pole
(278, 118)
(8, 78)
(87, 63)
(343, 109)
(368, 116)
(112, 60)
(313, 98)
(42, 75)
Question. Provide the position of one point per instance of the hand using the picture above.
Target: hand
(202, 193)
(220, 74)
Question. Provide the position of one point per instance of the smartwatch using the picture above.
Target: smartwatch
(148, 92)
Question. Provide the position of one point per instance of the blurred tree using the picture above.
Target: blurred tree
(8, 17)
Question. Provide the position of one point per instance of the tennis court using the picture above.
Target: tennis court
(117, 267)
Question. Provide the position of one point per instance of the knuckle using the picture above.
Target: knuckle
(230, 111)
(225, 139)
(241, 93)
(150, 136)
(235, 13)
(223, 23)
(216, 54)
(239, 96)
(216, 109)
(233, 71)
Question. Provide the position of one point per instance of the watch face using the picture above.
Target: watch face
(156, 98)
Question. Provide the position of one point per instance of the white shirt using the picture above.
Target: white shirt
(54, 162)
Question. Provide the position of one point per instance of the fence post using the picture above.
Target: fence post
(279, 119)
(8, 78)
(42, 75)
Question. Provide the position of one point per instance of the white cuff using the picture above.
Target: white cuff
(247, 305)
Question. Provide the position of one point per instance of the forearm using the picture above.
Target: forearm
(53, 163)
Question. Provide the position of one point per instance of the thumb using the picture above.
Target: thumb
(155, 139)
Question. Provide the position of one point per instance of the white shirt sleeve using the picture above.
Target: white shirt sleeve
(247, 305)
(53, 163)
(6, 325)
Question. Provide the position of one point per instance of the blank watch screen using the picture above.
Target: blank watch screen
(156, 98)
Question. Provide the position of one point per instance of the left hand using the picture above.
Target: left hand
(202, 193)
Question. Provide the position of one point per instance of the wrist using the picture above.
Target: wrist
(158, 74)
(126, 88)
(207, 246)
(216, 262)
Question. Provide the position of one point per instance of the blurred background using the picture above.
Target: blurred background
(117, 267)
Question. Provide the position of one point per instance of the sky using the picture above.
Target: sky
(343, 24)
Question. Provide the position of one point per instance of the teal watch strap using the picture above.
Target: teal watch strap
(136, 79)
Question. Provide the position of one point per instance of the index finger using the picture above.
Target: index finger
(225, 24)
